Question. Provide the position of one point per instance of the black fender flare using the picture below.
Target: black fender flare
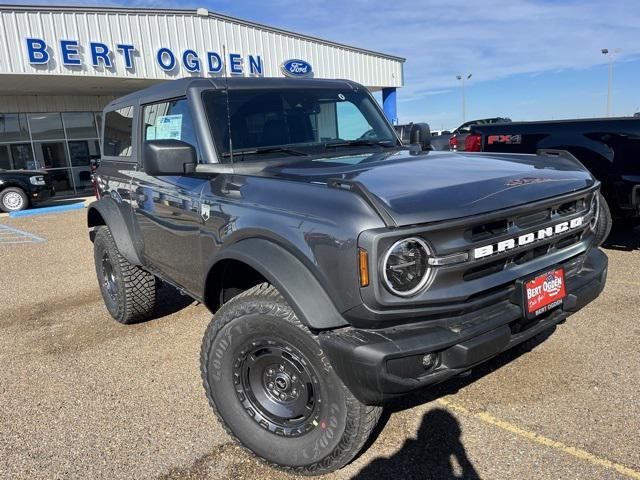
(121, 229)
(300, 288)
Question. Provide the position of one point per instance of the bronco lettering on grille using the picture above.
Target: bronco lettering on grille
(528, 238)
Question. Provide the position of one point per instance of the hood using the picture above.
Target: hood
(438, 186)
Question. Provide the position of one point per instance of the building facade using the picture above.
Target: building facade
(59, 66)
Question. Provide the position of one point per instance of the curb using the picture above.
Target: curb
(45, 210)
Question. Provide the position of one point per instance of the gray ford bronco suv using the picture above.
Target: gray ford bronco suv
(342, 268)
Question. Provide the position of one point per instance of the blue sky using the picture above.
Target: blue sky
(530, 59)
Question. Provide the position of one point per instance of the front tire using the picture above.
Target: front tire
(13, 199)
(129, 292)
(274, 390)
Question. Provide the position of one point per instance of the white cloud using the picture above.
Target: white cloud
(493, 39)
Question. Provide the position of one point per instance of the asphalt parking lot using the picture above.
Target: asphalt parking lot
(84, 397)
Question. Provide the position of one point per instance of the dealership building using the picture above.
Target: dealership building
(59, 66)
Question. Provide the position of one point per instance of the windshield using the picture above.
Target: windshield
(294, 121)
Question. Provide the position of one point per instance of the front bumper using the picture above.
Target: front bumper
(380, 364)
(39, 194)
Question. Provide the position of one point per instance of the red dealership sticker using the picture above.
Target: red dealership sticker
(545, 292)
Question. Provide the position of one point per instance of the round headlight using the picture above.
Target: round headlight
(595, 210)
(406, 266)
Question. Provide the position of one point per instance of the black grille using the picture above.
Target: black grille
(486, 231)
(516, 225)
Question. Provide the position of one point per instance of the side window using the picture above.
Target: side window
(118, 128)
(169, 120)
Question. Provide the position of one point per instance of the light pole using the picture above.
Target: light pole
(463, 79)
(611, 56)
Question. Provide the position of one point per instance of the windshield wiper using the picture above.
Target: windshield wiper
(360, 143)
(261, 150)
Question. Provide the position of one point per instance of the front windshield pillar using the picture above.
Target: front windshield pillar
(203, 133)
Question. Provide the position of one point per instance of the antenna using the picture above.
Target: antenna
(226, 91)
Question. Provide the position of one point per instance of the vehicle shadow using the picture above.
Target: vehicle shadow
(169, 301)
(58, 201)
(623, 238)
(438, 441)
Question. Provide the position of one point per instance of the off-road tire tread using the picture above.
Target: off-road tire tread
(605, 222)
(265, 298)
(140, 286)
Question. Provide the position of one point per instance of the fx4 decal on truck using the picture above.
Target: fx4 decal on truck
(507, 139)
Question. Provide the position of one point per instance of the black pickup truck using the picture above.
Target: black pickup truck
(20, 189)
(342, 268)
(608, 147)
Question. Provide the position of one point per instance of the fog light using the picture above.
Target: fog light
(429, 360)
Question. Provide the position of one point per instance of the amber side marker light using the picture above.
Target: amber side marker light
(363, 262)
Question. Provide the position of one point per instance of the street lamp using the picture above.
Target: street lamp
(463, 79)
(611, 56)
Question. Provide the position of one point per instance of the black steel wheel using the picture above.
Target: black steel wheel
(108, 278)
(275, 380)
(274, 390)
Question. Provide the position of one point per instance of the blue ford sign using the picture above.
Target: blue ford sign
(296, 68)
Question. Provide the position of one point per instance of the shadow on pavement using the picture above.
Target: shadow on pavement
(436, 452)
(58, 202)
(623, 238)
(438, 446)
(170, 301)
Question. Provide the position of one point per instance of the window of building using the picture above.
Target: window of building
(82, 153)
(22, 156)
(53, 157)
(99, 123)
(118, 130)
(13, 127)
(64, 144)
(169, 120)
(5, 158)
(79, 125)
(46, 126)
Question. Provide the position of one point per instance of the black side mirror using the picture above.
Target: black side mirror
(420, 135)
(168, 157)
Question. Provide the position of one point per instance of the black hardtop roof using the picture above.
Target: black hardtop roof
(179, 88)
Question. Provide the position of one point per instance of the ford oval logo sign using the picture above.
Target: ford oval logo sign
(296, 68)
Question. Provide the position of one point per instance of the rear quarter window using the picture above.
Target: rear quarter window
(118, 132)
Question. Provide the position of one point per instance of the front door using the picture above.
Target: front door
(167, 208)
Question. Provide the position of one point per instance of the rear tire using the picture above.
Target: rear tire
(603, 227)
(129, 292)
(274, 390)
(13, 199)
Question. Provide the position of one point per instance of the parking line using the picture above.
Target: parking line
(633, 284)
(542, 440)
(46, 210)
(15, 234)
